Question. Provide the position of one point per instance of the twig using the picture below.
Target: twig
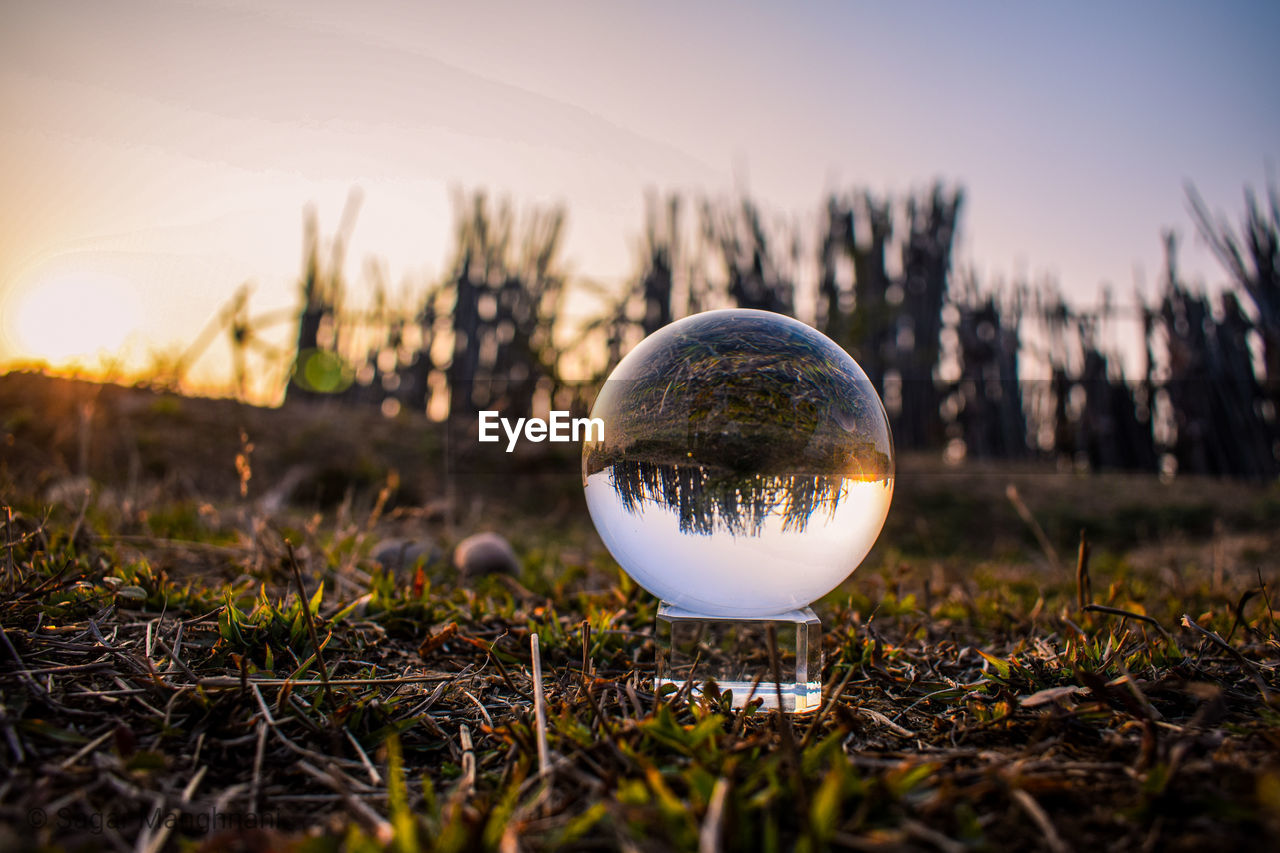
(322, 798)
(256, 784)
(44, 585)
(709, 834)
(599, 714)
(1011, 492)
(484, 712)
(686, 687)
(188, 544)
(84, 510)
(1138, 695)
(1129, 614)
(886, 722)
(826, 709)
(634, 698)
(221, 681)
(283, 738)
(156, 842)
(502, 671)
(147, 671)
(1084, 587)
(23, 672)
(740, 718)
(1041, 820)
(86, 749)
(311, 628)
(381, 827)
(918, 830)
(173, 657)
(468, 784)
(11, 573)
(1251, 666)
(539, 703)
(1266, 598)
(177, 646)
(375, 778)
(1080, 634)
(926, 697)
(15, 743)
(1239, 617)
(784, 722)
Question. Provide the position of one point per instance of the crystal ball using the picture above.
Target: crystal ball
(746, 465)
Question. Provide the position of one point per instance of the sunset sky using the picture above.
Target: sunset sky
(156, 155)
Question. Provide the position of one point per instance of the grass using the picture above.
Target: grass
(184, 666)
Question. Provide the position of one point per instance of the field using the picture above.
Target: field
(201, 652)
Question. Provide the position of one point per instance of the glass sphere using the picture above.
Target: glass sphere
(746, 466)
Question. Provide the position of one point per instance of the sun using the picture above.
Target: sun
(71, 319)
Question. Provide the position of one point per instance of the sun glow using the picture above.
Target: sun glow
(72, 319)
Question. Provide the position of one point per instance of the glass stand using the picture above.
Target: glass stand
(734, 653)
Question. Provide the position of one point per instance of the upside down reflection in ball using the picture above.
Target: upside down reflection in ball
(746, 466)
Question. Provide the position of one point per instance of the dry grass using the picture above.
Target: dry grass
(168, 679)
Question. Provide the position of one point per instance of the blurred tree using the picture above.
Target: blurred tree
(757, 274)
(1220, 422)
(990, 410)
(1252, 258)
(507, 287)
(318, 370)
(926, 268)
(489, 331)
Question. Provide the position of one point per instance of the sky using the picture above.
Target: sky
(154, 156)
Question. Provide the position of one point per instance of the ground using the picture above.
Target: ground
(163, 685)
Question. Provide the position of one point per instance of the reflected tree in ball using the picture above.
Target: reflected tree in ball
(746, 466)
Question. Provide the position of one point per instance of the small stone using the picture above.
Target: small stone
(69, 491)
(400, 555)
(485, 554)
